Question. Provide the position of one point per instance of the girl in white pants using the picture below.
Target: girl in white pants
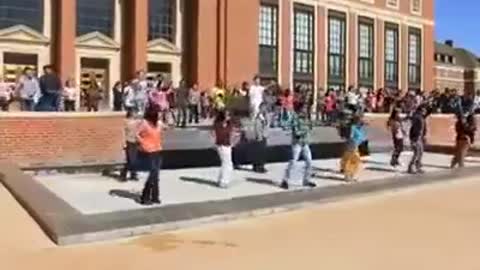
(223, 140)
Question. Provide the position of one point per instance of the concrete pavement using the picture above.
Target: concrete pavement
(435, 227)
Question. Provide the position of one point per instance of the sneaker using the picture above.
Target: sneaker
(310, 184)
(284, 185)
(222, 185)
(420, 171)
(156, 201)
(411, 171)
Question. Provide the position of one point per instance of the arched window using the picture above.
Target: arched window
(26, 12)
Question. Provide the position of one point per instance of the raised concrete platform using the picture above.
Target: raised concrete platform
(88, 207)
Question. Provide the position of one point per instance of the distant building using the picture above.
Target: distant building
(456, 68)
(317, 43)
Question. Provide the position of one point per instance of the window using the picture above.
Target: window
(26, 12)
(416, 6)
(414, 58)
(95, 15)
(392, 3)
(161, 20)
(336, 50)
(391, 55)
(365, 52)
(303, 37)
(268, 41)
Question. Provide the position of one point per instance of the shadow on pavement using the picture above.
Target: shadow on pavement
(329, 177)
(260, 181)
(199, 181)
(124, 194)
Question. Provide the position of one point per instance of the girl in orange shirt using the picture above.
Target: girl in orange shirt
(149, 137)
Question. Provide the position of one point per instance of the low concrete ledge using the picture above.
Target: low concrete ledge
(66, 226)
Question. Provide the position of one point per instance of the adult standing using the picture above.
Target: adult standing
(70, 93)
(5, 95)
(465, 128)
(149, 137)
(418, 132)
(93, 94)
(255, 94)
(194, 104)
(300, 129)
(223, 130)
(259, 146)
(50, 87)
(118, 97)
(181, 97)
(28, 89)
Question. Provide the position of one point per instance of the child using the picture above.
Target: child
(131, 146)
(395, 123)
(351, 159)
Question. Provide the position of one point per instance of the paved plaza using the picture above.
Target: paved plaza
(96, 194)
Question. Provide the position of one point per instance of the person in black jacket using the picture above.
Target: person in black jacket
(418, 131)
(51, 87)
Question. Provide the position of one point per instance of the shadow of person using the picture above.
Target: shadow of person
(199, 181)
(124, 194)
(261, 181)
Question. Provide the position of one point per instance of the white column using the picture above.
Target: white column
(47, 18)
(117, 36)
(179, 23)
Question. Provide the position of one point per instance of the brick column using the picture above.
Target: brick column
(403, 72)
(64, 35)
(135, 37)
(241, 41)
(321, 47)
(285, 42)
(201, 42)
(379, 54)
(352, 60)
(428, 61)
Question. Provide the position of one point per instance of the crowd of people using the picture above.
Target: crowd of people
(235, 125)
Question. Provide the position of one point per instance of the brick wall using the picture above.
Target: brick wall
(441, 128)
(76, 139)
(61, 139)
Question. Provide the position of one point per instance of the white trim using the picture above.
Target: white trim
(117, 18)
(355, 49)
(450, 68)
(451, 79)
(315, 55)
(292, 45)
(395, 6)
(419, 11)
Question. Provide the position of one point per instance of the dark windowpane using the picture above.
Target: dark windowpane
(161, 20)
(414, 58)
(366, 54)
(26, 12)
(268, 40)
(95, 16)
(391, 56)
(336, 50)
(304, 39)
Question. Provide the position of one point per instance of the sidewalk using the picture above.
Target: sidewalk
(96, 194)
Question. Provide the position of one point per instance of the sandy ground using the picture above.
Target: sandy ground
(430, 228)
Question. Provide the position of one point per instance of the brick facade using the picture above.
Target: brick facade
(72, 139)
(50, 139)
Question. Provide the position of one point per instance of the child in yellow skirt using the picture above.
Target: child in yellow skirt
(351, 161)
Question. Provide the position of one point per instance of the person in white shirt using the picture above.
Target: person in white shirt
(352, 99)
(255, 94)
(5, 95)
(70, 93)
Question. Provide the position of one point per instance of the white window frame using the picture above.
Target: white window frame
(396, 6)
(420, 7)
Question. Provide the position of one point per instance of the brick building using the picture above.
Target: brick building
(320, 43)
(456, 68)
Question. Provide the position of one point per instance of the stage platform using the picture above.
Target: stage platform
(78, 208)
